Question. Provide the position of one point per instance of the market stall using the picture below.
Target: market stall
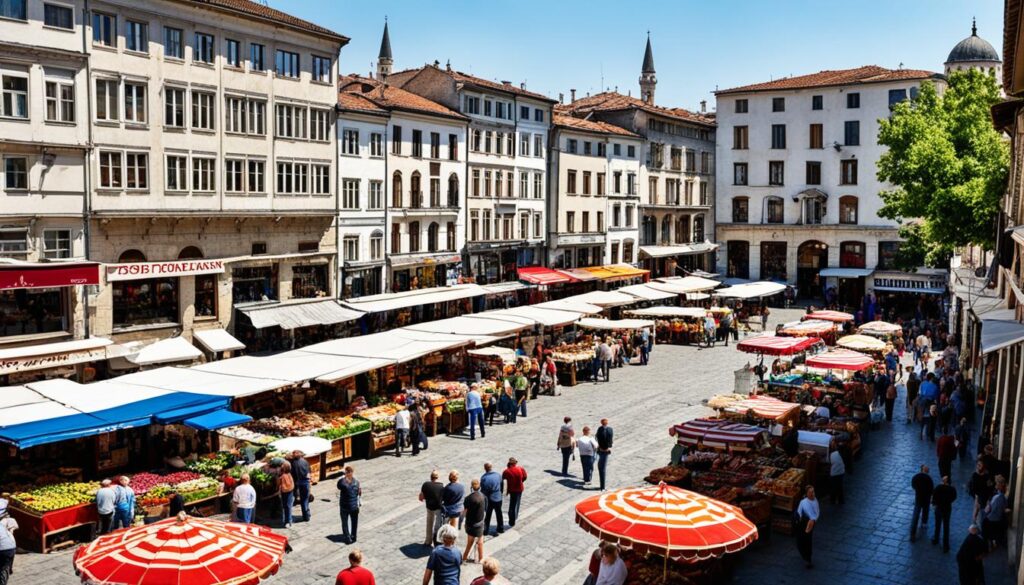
(862, 343)
(573, 359)
(834, 316)
(756, 409)
(415, 306)
(826, 330)
(881, 329)
(715, 433)
(681, 325)
(841, 359)
(778, 345)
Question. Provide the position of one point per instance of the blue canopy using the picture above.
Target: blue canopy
(217, 419)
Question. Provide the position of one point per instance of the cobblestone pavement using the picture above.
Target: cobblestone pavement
(864, 542)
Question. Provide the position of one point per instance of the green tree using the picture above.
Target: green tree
(949, 167)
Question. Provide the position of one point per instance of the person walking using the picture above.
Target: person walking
(105, 497)
(980, 487)
(401, 430)
(587, 447)
(962, 433)
(612, 570)
(807, 514)
(923, 486)
(993, 523)
(349, 493)
(451, 499)
(430, 495)
(475, 410)
(645, 346)
(286, 492)
(605, 440)
(606, 358)
(513, 477)
(476, 505)
(945, 449)
(890, 401)
(521, 386)
(355, 574)
(566, 443)
(973, 549)
(417, 435)
(124, 503)
(490, 487)
(837, 473)
(300, 473)
(726, 324)
(244, 500)
(8, 548)
(491, 568)
(444, 567)
(942, 498)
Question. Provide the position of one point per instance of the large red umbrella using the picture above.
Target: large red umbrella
(772, 345)
(841, 359)
(180, 551)
(667, 521)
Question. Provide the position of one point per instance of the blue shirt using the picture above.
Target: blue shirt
(445, 563)
(808, 509)
(473, 401)
(490, 486)
(451, 498)
(929, 390)
(891, 361)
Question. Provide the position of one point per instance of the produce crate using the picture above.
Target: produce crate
(40, 531)
(315, 465)
(453, 422)
(782, 523)
(784, 502)
(379, 442)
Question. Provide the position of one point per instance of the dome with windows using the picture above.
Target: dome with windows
(973, 49)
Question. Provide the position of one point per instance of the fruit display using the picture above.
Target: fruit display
(344, 428)
(57, 496)
(292, 424)
(141, 483)
(457, 405)
(676, 475)
(240, 433)
(262, 481)
(573, 352)
(449, 389)
(432, 398)
(486, 387)
(381, 418)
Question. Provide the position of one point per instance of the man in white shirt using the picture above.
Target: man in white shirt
(587, 446)
(401, 430)
(105, 498)
(836, 474)
(244, 500)
(807, 514)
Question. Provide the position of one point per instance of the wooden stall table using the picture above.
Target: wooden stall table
(344, 449)
(37, 530)
(453, 422)
(380, 442)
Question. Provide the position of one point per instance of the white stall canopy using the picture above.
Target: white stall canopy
(413, 298)
(604, 298)
(217, 340)
(751, 290)
(614, 324)
(299, 313)
(174, 349)
(546, 317)
(687, 284)
(682, 312)
(647, 292)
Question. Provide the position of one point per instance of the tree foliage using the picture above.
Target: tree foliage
(948, 165)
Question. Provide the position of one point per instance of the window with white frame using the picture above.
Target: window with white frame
(524, 184)
(174, 43)
(350, 141)
(524, 144)
(135, 103)
(202, 52)
(56, 244)
(60, 96)
(538, 187)
(350, 248)
(174, 107)
(376, 246)
(110, 170)
(257, 113)
(291, 121)
(204, 174)
(321, 179)
(537, 225)
(321, 69)
(245, 116)
(234, 172)
(202, 110)
(177, 172)
(14, 241)
(350, 193)
(538, 145)
(319, 125)
(257, 176)
(15, 94)
(16, 173)
(104, 29)
(292, 178)
(376, 145)
(136, 170)
(376, 195)
(136, 36)
(256, 57)
(58, 16)
(286, 64)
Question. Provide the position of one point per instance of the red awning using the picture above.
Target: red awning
(772, 345)
(834, 316)
(48, 274)
(543, 276)
(841, 359)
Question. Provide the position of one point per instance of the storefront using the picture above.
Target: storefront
(906, 294)
(36, 298)
(359, 280)
(494, 262)
(65, 359)
(148, 293)
(667, 261)
(846, 285)
(417, 271)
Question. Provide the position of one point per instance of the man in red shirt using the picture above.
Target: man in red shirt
(513, 477)
(946, 449)
(355, 574)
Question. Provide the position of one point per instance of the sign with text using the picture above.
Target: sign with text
(40, 362)
(171, 268)
(16, 276)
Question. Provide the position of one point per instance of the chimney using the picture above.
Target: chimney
(522, 85)
(561, 98)
(448, 66)
(437, 64)
(703, 106)
(506, 83)
(572, 96)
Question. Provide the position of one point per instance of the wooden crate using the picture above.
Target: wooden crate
(782, 523)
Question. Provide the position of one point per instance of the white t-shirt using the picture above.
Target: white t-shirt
(244, 496)
(587, 445)
(402, 419)
(613, 574)
(838, 465)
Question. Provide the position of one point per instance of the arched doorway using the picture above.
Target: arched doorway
(811, 257)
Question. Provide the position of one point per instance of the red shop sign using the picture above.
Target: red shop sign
(14, 276)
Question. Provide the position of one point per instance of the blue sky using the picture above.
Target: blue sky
(555, 45)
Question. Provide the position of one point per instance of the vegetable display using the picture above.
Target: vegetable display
(57, 496)
(350, 426)
(458, 405)
(211, 465)
(382, 418)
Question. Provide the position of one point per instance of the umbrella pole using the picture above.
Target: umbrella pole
(664, 572)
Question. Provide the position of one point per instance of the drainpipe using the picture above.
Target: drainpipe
(339, 278)
(515, 176)
(468, 260)
(386, 244)
(87, 166)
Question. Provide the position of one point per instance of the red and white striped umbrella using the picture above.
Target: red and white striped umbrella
(668, 521)
(182, 550)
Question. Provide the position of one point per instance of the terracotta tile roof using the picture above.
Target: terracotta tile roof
(389, 97)
(566, 121)
(507, 88)
(261, 12)
(611, 100)
(356, 102)
(865, 74)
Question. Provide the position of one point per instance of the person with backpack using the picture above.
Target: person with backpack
(286, 491)
(566, 443)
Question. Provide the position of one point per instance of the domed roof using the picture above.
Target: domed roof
(973, 48)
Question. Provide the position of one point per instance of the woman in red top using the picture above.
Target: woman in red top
(355, 574)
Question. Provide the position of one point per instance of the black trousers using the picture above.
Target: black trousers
(105, 520)
(493, 508)
(942, 520)
(803, 543)
(836, 489)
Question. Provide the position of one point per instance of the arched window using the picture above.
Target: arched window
(190, 253)
(698, 228)
(666, 230)
(848, 209)
(683, 229)
(649, 233)
(453, 190)
(415, 193)
(414, 237)
(432, 237)
(740, 209)
(852, 255)
(451, 234)
(396, 189)
(774, 210)
(131, 256)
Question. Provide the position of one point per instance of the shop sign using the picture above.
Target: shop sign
(564, 240)
(143, 270)
(55, 360)
(16, 276)
(930, 282)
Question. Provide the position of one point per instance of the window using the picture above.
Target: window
(476, 182)
(232, 53)
(570, 146)
(896, 96)
(741, 106)
(321, 179)
(510, 143)
(435, 145)
(487, 141)
(321, 69)
(848, 209)
(813, 172)
(851, 133)
(773, 261)
(586, 182)
(536, 225)
(474, 226)
(888, 253)
(319, 125)
(202, 52)
(570, 182)
(631, 151)
(853, 100)
(110, 170)
(350, 248)
(814, 210)
(587, 147)
(234, 170)
(174, 107)
(350, 141)
(538, 145)
(816, 102)
(415, 193)
(538, 186)
(776, 172)
(291, 121)
(376, 144)
(350, 193)
(852, 255)
(433, 233)
(56, 16)
(136, 170)
(376, 195)
(242, 116)
(256, 57)
(570, 222)
(816, 136)
(56, 244)
(774, 209)
(60, 100)
(848, 172)
(453, 147)
(177, 173)
(616, 215)
(396, 238)
(778, 136)
(13, 241)
(629, 215)
(135, 103)
(203, 177)
(499, 110)
(292, 178)
(631, 183)
(414, 236)
(740, 209)
(104, 28)
(472, 105)
(487, 183)
(136, 36)
(396, 140)
(174, 44)
(739, 175)
(15, 96)
(16, 173)
(600, 183)
(705, 163)
(202, 110)
(617, 149)
(417, 143)
(435, 192)
(524, 112)
(257, 176)
(376, 245)
(396, 189)
(286, 64)
(778, 104)
(14, 9)
(600, 221)
(488, 107)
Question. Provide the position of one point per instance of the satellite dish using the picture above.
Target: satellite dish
(980, 272)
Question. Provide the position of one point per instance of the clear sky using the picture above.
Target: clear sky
(556, 45)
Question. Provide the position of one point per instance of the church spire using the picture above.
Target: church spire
(648, 80)
(648, 57)
(974, 27)
(384, 59)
